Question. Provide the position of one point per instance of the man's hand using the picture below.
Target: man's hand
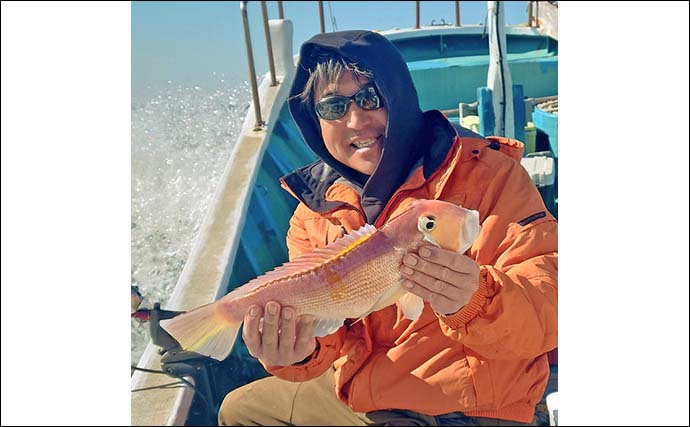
(445, 279)
(282, 340)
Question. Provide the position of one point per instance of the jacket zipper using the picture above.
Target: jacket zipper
(396, 196)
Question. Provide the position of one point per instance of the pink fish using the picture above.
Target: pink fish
(349, 279)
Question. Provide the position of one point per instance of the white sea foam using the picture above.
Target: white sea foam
(181, 140)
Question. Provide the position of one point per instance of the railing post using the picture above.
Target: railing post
(281, 15)
(269, 46)
(457, 13)
(417, 14)
(252, 73)
(322, 26)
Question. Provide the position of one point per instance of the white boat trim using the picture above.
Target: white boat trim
(207, 271)
(498, 78)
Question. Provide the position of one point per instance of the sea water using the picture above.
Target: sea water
(182, 138)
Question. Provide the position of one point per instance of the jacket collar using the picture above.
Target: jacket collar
(310, 184)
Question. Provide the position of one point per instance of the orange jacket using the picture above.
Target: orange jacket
(488, 359)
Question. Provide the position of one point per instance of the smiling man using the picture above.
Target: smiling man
(354, 138)
(477, 353)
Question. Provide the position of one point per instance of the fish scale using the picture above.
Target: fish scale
(356, 279)
(357, 290)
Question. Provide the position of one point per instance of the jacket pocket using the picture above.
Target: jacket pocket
(481, 376)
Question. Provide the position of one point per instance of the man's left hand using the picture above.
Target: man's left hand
(445, 279)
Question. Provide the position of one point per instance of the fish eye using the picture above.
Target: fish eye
(430, 223)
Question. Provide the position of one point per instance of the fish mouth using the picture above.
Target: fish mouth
(364, 143)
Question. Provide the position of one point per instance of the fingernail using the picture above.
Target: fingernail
(407, 270)
(287, 314)
(272, 309)
(407, 284)
(425, 252)
(254, 311)
(410, 260)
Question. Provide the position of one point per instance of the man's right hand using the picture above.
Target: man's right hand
(282, 339)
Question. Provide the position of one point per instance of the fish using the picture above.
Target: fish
(136, 298)
(140, 314)
(356, 275)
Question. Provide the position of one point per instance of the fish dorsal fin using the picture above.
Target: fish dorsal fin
(311, 260)
(346, 243)
(323, 327)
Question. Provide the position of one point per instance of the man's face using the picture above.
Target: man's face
(356, 139)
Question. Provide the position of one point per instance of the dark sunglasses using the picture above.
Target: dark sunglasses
(333, 107)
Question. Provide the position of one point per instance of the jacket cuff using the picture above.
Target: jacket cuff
(475, 305)
(310, 368)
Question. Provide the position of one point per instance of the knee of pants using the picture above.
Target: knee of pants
(232, 409)
(264, 402)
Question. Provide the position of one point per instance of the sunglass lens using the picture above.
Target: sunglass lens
(332, 108)
(335, 107)
(367, 98)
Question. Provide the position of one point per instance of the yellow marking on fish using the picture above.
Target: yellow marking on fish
(218, 327)
(332, 277)
(353, 245)
(339, 293)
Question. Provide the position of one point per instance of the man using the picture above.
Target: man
(477, 354)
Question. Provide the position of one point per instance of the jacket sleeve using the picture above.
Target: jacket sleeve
(514, 312)
(328, 347)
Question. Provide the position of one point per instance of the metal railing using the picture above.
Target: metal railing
(250, 56)
(259, 125)
(269, 46)
(418, 16)
(533, 14)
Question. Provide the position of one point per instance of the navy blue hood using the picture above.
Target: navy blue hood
(402, 147)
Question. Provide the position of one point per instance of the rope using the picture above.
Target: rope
(182, 381)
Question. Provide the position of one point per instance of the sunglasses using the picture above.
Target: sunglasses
(333, 107)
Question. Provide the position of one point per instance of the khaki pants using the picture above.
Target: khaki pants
(275, 402)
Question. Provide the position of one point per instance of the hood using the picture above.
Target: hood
(375, 53)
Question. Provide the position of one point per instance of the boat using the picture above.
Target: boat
(243, 233)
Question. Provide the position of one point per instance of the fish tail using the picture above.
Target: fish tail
(204, 330)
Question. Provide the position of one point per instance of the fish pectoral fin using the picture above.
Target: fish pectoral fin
(393, 294)
(390, 297)
(411, 306)
(323, 327)
(470, 231)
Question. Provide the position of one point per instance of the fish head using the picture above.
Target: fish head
(447, 225)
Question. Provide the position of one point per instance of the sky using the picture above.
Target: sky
(187, 42)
